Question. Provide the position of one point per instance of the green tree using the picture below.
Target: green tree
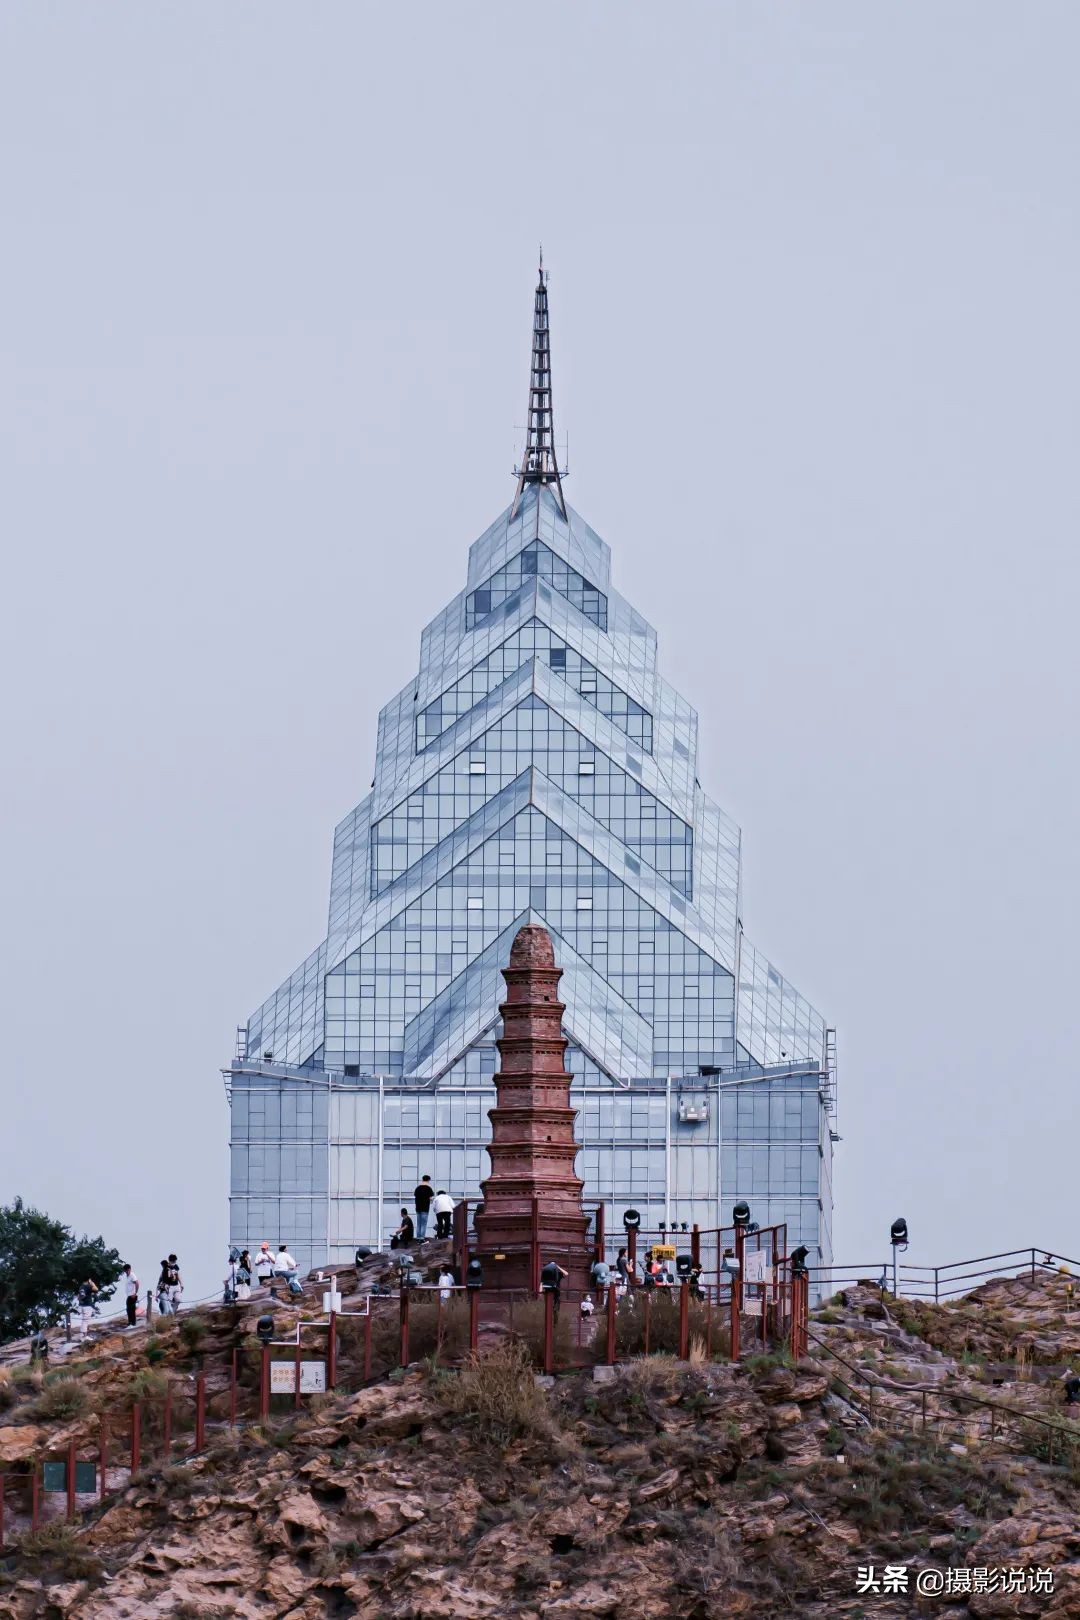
(42, 1264)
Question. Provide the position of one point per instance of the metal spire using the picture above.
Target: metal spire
(539, 464)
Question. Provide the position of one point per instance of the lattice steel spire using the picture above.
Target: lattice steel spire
(539, 464)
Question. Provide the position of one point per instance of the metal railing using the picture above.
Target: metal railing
(947, 1281)
(1004, 1420)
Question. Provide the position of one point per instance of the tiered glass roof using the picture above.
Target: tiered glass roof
(538, 769)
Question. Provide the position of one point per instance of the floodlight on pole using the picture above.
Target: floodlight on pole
(898, 1237)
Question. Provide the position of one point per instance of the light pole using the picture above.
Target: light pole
(898, 1237)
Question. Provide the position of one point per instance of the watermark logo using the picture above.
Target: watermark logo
(888, 1579)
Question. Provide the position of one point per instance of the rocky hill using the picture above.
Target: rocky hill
(908, 1437)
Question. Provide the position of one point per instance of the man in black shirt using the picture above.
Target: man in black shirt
(422, 1199)
(404, 1235)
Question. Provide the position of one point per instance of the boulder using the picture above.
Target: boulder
(300, 1512)
(662, 1485)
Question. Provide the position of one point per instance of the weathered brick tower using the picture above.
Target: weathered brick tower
(532, 1199)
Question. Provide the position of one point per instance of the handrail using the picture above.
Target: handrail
(1006, 1254)
(876, 1382)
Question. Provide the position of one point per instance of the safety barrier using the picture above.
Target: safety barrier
(1009, 1426)
(943, 1282)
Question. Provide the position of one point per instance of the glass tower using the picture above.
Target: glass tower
(538, 768)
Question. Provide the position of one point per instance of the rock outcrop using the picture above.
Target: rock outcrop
(692, 1490)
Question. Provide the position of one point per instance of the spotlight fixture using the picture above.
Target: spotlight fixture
(474, 1274)
(663, 1226)
(684, 1264)
(550, 1276)
(798, 1261)
(264, 1327)
(631, 1219)
(684, 1226)
(740, 1215)
(898, 1237)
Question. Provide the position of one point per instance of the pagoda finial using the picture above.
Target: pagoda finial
(539, 464)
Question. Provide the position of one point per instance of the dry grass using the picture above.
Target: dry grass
(528, 1321)
(663, 1313)
(148, 1384)
(442, 1333)
(656, 1376)
(60, 1399)
(192, 1331)
(497, 1393)
(27, 1377)
(59, 1548)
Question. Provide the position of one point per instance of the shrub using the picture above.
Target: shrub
(155, 1350)
(894, 1487)
(148, 1384)
(1055, 1440)
(497, 1393)
(663, 1312)
(178, 1480)
(653, 1375)
(61, 1398)
(192, 1332)
(756, 1365)
(60, 1548)
(432, 1335)
(33, 1376)
(528, 1325)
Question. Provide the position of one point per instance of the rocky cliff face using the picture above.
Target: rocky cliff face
(669, 1489)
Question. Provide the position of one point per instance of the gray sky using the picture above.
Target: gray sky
(265, 296)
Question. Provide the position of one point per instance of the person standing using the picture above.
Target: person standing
(422, 1197)
(443, 1209)
(87, 1295)
(446, 1283)
(243, 1276)
(264, 1265)
(131, 1292)
(163, 1289)
(551, 1280)
(174, 1283)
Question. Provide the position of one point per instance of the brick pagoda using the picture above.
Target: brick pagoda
(532, 1209)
